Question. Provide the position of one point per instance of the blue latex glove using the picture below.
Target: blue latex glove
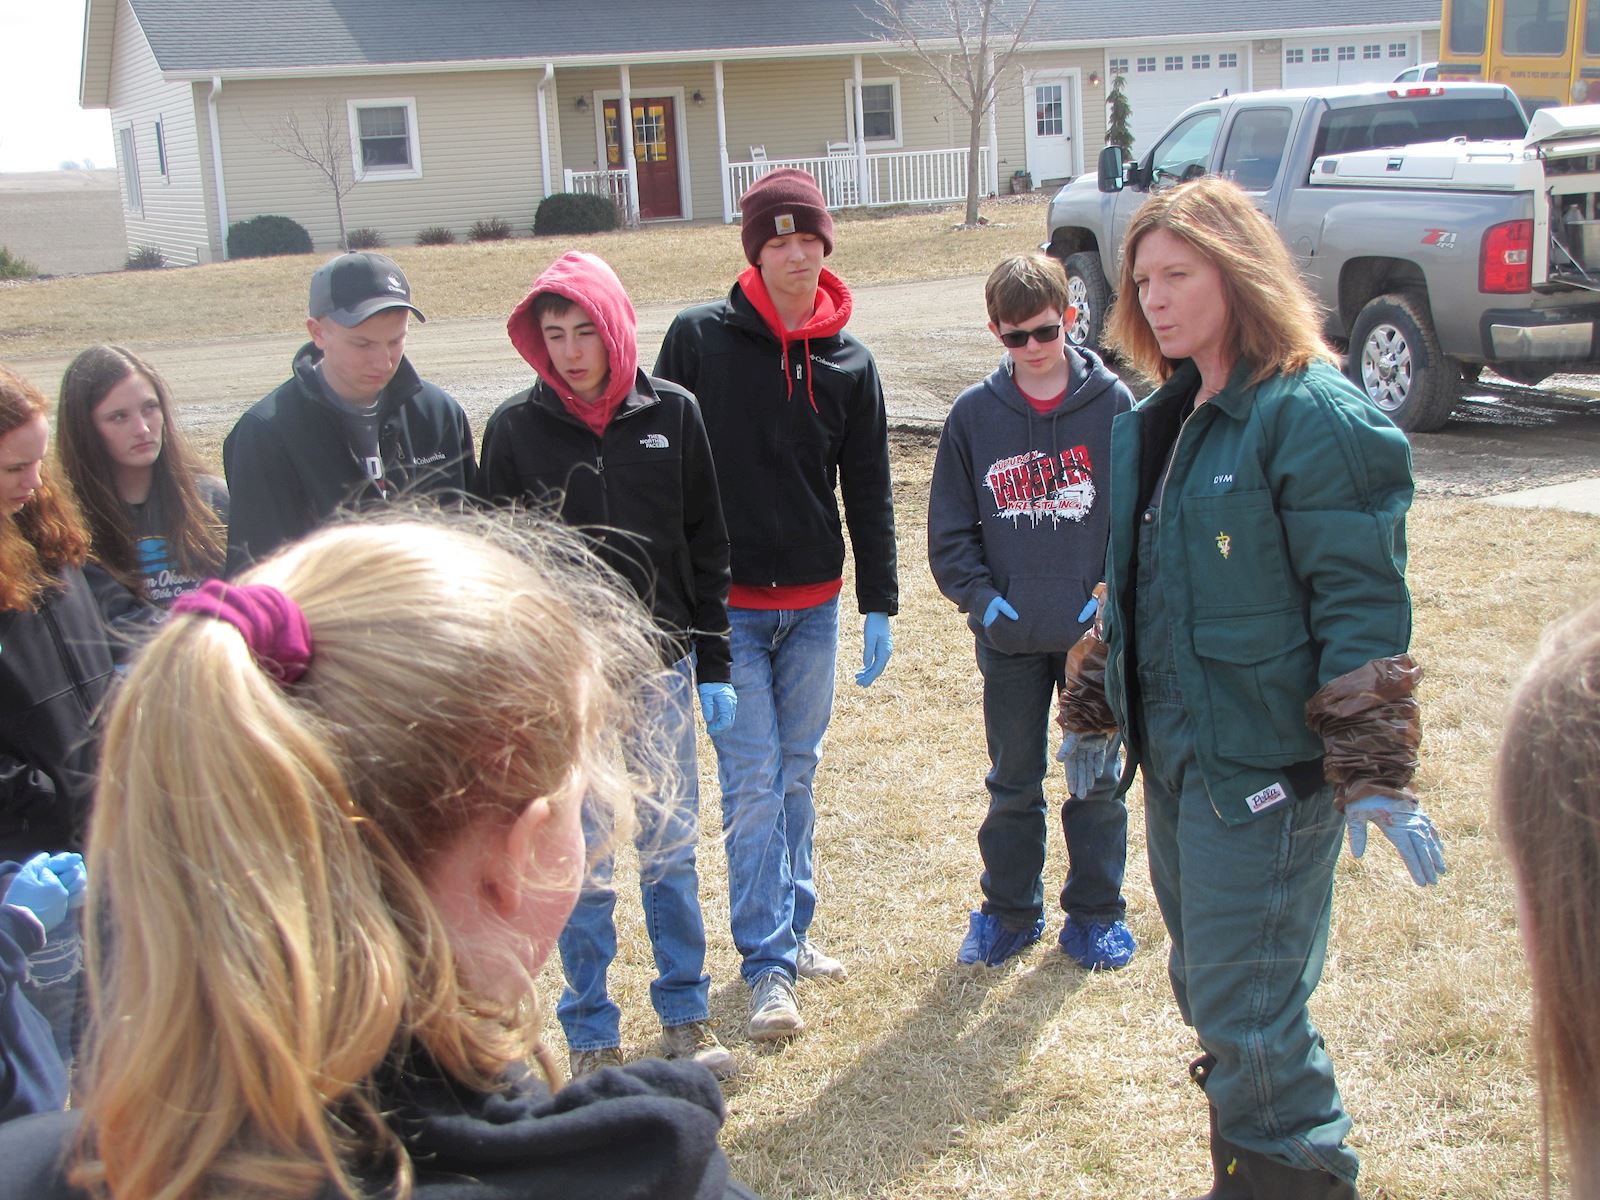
(998, 607)
(1084, 755)
(74, 876)
(1404, 824)
(1089, 611)
(718, 704)
(37, 889)
(876, 646)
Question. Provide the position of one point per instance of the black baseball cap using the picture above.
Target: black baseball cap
(353, 287)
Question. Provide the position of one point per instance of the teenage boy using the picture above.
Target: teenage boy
(792, 403)
(355, 423)
(624, 458)
(1017, 526)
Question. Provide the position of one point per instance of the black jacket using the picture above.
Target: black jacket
(647, 1131)
(779, 459)
(645, 492)
(55, 670)
(289, 463)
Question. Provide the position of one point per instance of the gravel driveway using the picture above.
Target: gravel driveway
(930, 342)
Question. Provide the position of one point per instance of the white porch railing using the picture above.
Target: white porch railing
(611, 184)
(894, 177)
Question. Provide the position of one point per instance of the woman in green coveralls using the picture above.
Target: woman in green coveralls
(1256, 627)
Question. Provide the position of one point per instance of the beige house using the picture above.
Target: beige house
(441, 114)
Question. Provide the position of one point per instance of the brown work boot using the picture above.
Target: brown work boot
(695, 1041)
(587, 1062)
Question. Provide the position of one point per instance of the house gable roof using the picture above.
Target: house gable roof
(201, 37)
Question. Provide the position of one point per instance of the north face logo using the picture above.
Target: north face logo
(654, 441)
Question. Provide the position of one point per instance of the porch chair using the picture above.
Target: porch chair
(843, 188)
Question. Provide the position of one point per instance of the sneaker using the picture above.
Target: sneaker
(695, 1041)
(587, 1062)
(1097, 944)
(812, 963)
(991, 943)
(774, 1011)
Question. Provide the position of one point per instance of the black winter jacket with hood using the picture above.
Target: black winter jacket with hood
(55, 670)
(788, 424)
(648, 1129)
(289, 461)
(1020, 506)
(643, 490)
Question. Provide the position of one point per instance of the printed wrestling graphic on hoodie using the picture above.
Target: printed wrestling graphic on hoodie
(1015, 509)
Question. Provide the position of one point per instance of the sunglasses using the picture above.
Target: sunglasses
(1017, 338)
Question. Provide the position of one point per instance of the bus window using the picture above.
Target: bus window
(1534, 26)
(1468, 21)
(1591, 29)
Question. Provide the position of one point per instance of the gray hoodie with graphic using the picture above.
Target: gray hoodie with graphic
(1019, 505)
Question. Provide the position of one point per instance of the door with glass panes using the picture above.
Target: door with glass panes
(655, 150)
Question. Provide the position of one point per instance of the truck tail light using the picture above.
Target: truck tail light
(1411, 92)
(1506, 263)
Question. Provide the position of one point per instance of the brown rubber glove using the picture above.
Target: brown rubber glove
(1370, 726)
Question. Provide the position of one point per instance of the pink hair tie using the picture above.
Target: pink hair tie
(272, 625)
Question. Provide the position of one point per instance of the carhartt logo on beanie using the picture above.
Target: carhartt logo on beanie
(782, 202)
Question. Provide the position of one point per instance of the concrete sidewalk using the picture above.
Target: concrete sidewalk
(1581, 496)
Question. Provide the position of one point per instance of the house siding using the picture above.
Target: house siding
(174, 215)
(478, 135)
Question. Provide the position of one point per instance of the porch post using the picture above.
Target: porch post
(993, 173)
(722, 147)
(625, 137)
(544, 127)
(859, 136)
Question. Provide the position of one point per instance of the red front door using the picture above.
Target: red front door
(655, 150)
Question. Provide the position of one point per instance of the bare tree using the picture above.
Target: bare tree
(320, 139)
(963, 47)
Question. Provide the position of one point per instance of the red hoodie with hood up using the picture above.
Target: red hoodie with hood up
(591, 284)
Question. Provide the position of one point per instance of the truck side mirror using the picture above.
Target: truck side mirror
(1113, 163)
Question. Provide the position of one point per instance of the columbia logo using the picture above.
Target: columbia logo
(654, 441)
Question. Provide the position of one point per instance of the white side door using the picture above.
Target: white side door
(1050, 121)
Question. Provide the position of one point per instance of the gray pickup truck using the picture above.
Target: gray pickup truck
(1426, 275)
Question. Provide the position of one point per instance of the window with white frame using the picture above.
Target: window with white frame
(1294, 57)
(1319, 54)
(1228, 61)
(1200, 62)
(128, 161)
(1399, 50)
(1174, 62)
(1347, 54)
(1372, 50)
(161, 150)
(880, 111)
(1147, 64)
(383, 139)
(1118, 66)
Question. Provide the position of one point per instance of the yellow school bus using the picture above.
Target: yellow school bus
(1547, 51)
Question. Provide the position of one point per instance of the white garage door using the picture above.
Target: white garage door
(1321, 62)
(1165, 80)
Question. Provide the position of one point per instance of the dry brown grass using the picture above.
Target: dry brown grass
(922, 1079)
(665, 263)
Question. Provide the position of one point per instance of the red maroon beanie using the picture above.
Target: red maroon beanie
(782, 202)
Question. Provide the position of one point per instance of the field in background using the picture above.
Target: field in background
(923, 1079)
(662, 263)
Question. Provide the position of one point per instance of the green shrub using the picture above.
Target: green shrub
(491, 229)
(267, 235)
(364, 239)
(145, 258)
(574, 212)
(436, 235)
(15, 267)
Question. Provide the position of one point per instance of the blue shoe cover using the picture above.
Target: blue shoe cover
(1098, 945)
(991, 943)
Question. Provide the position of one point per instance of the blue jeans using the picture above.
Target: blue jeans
(1017, 691)
(783, 668)
(55, 983)
(669, 886)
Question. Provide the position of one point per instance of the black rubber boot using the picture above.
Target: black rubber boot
(1271, 1180)
(1228, 1178)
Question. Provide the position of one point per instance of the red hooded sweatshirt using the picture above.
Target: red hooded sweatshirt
(593, 286)
(828, 318)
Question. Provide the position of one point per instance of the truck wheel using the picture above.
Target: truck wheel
(1395, 359)
(1088, 292)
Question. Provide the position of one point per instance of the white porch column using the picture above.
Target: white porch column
(625, 138)
(544, 125)
(859, 136)
(994, 146)
(722, 148)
